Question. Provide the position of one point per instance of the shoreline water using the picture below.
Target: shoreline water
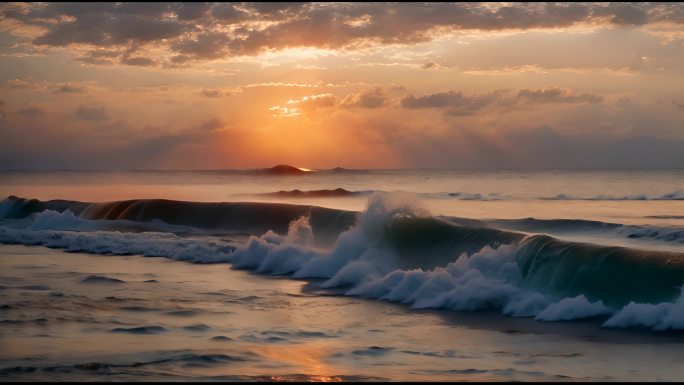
(310, 335)
(533, 279)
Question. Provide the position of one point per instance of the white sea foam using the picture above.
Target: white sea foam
(572, 308)
(660, 316)
(112, 242)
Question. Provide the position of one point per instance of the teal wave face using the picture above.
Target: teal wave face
(615, 275)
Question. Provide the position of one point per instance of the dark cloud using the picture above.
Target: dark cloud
(192, 11)
(371, 98)
(204, 46)
(20, 83)
(91, 113)
(558, 95)
(137, 61)
(31, 112)
(104, 30)
(678, 105)
(212, 125)
(140, 29)
(147, 9)
(197, 31)
(68, 89)
(275, 7)
(313, 103)
(457, 103)
(227, 13)
(430, 65)
(213, 93)
(99, 57)
(624, 14)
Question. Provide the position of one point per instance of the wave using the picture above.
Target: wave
(673, 196)
(397, 251)
(538, 277)
(673, 234)
(253, 218)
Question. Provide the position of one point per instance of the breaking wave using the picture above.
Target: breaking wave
(394, 251)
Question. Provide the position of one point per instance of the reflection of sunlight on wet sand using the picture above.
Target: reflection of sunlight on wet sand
(306, 357)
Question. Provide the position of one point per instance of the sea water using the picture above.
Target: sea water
(342, 274)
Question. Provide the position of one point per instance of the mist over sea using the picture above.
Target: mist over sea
(294, 274)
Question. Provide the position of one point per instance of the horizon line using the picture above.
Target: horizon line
(342, 168)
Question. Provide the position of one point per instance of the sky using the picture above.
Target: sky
(355, 85)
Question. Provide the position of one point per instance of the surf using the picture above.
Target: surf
(394, 250)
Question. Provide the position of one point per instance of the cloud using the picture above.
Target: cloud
(457, 103)
(558, 95)
(137, 61)
(677, 105)
(309, 104)
(31, 112)
(214, 93)
(68, 89)
(370, 98)
(103, 29)
(99, 57)
(192, 11)
(57, 88)
(20, 83)
(430, 65)
(91, 113)
(214, 124)
(201, 31)
(227, 13)
(208, 45)
(624, 14)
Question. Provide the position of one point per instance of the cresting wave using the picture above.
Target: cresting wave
(253, 218)
(393, 251)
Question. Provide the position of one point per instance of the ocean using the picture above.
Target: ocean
(355, 275)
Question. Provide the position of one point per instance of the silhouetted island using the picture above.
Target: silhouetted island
(284, 169)
(338, 192)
